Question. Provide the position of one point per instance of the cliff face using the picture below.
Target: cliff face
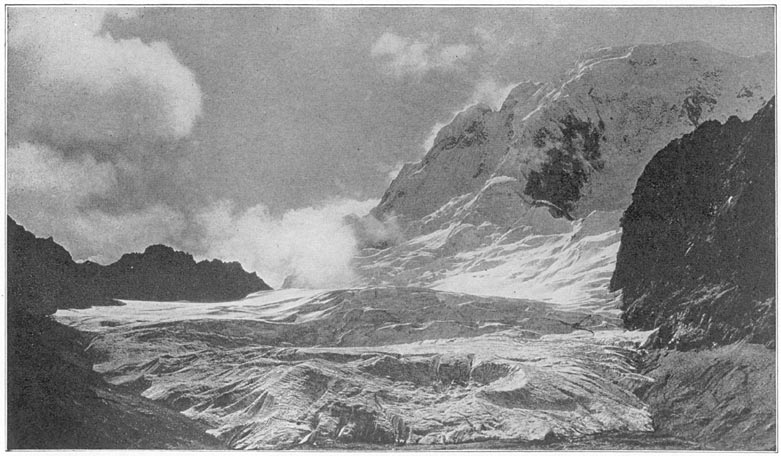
(697, 255)
(580, 142)
(42, 276)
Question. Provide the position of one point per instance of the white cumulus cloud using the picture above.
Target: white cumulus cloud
(403, 55)
(69, 82)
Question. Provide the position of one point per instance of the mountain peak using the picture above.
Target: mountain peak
(587, 135)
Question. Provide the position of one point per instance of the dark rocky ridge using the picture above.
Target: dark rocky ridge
(697, 255)
(43, 277)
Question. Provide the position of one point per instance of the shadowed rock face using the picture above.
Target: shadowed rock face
(43, 277)
(697, 251)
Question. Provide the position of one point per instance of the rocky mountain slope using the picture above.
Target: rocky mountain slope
(697, 255)
(493, 200)
(158, 273)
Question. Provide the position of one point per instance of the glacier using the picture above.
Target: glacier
(392, 365)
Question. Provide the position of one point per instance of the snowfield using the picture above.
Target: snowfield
(568, 264)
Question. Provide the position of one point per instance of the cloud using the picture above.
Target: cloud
(393, 172)
(71, 83)
(104, 237)
(452, 54)
(428, 143)
(40, 169)
(374, 233)
(486, 36)
(313, 246)
(490, 92)
(405, 56)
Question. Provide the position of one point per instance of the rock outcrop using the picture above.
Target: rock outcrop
(43, 277)
(697, 255)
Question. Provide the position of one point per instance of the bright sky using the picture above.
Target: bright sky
(128, 127)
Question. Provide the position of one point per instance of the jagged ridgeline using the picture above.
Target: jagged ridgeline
(697, 255)
(581, 142)
(42, 277)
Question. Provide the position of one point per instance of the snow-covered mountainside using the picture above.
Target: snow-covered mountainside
(581, 142)
(525, 201)
(292, 368)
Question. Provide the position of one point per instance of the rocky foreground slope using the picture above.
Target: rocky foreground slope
(56, 400)
(697, 256)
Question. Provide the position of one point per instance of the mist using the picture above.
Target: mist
(311, 247)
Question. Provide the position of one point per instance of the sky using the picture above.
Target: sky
(247, 133)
